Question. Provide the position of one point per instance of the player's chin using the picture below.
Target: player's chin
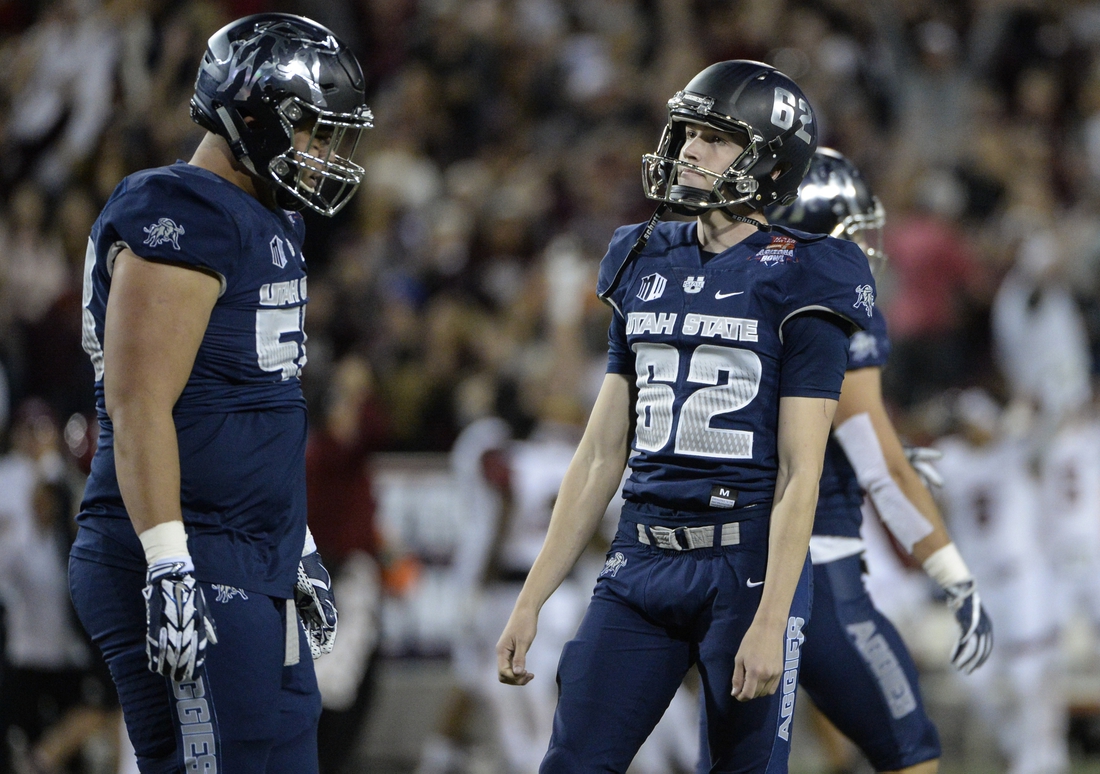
(693, 180)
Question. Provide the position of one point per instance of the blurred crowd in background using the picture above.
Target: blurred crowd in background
(459, 283)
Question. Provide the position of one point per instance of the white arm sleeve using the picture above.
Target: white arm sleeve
(856, 436)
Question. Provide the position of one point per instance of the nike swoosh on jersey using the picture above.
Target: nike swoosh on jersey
(720, 294)
(753, 584)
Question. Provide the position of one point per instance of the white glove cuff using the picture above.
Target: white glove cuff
(946, 567)
(310, 546)
(165, 542)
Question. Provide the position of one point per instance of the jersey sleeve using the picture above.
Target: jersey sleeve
(619, 358)
(162, 218)
(833, 278)
(815, 354)
(614, 270)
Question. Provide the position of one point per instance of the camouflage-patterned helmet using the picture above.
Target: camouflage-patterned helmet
(267, 76)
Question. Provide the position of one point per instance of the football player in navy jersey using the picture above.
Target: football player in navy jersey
(855, 667)
(727, 349)
(193, 569)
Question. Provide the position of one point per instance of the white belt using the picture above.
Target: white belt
(689, 538)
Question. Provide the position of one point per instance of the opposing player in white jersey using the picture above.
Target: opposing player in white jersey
(1070, 519)
(991, 501)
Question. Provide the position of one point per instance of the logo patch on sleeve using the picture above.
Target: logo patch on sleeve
(164, 230)
(780, 250)
(865, 298)
(862, 346)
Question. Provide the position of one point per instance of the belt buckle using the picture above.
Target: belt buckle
(670, 538)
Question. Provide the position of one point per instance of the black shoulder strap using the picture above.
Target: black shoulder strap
(636, 250)
(801, 236)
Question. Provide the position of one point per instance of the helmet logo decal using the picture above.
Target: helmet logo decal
(164, 230)
(784, 108)
(865, 297)
(297, 57)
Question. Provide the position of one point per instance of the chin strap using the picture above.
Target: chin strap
(750, 221)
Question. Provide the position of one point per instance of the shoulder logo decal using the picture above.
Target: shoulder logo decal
(653, 285)
(693, 284)
(164, 230)
(862, 346)
(865, 298)
(779, 250)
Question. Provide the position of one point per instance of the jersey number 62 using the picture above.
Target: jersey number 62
(658, 367)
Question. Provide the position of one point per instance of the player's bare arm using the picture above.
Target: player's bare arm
(156, 317)
(590, 482)
(862, 394)
(804, 425)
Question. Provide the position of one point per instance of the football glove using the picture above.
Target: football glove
(178, 625)
(316, 605)
(976, 640)
(921, 458)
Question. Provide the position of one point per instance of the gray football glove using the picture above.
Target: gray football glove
(921, 458)
(316, 604)
(178, 626)
(976, 640)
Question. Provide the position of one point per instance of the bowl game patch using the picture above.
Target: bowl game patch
(780, 250)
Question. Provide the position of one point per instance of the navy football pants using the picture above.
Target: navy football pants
(654, 613)
(857, 670)
(244, 713)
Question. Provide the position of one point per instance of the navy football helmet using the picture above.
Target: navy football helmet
(835, 199)
(266, 76)
(766, 112)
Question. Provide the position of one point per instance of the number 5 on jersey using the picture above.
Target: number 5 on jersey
(658, 367)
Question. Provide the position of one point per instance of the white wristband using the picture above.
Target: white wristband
(310, 546)
(167, 541)
(946, 567)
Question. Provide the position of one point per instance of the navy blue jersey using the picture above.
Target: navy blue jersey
(704, 340)
(241, 418)
(840, 495)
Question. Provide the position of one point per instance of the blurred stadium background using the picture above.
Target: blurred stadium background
(458, 285)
